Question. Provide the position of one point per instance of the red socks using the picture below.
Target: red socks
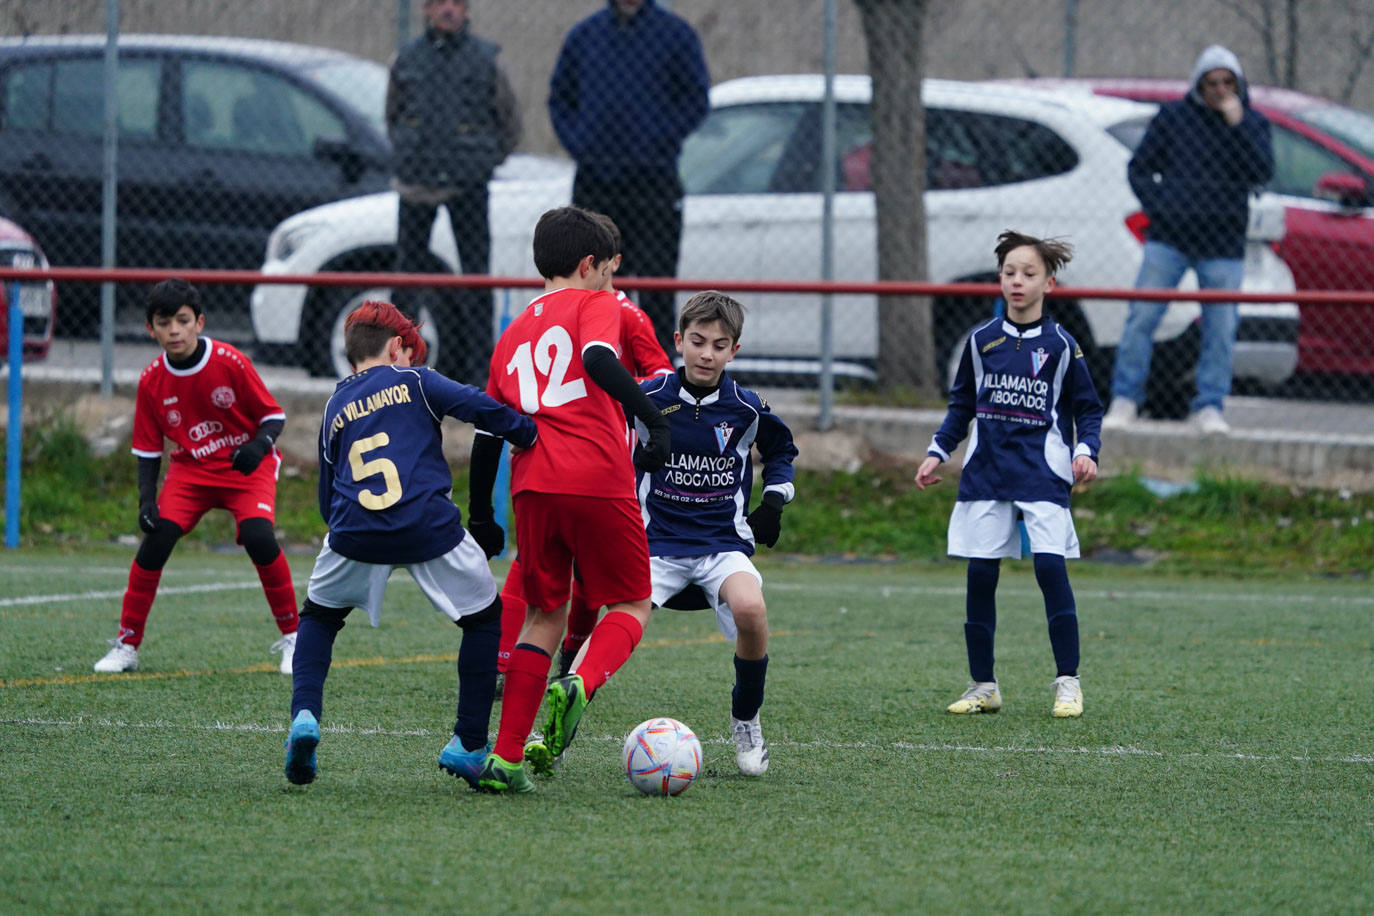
(526, 678)
(609, 647)
(138, 601)
(512, 620)
(281, 594)
(581, 621)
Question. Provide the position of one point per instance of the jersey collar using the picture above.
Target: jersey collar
(200, 364)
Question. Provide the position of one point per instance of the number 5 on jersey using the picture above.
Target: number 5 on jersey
(363, 469)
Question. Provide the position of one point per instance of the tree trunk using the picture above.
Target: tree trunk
(893, 32)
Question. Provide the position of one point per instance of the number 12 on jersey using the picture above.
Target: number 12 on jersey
(549, 359)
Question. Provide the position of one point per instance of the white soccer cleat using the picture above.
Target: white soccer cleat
(751, 751)
(1121, 415)
(1210, 422)
(287, 647)
(981, 696)
(1068, 698)
(121, 657)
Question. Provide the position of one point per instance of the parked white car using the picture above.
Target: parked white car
(1040, 161)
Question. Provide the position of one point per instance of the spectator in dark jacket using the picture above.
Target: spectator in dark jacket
(452, 117)
(630, 84)
(1193, 173)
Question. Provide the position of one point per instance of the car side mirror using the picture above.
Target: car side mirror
(1343, 188)
(342, 154)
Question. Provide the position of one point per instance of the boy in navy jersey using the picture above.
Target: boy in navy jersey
(1024, 381)
(205, 396)
(695, 507)
(385, 492)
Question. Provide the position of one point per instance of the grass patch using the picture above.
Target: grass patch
(1225, 526)
(163, 791)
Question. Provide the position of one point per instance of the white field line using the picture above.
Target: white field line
(1113, 751)
(64, 597)
(1113, 595)
(878, 591)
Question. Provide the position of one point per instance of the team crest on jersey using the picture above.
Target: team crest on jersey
(1038, 359)
(222, 397)
(723, 433)
(173, 418)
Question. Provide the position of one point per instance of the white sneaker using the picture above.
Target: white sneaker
(1068, 698)
(1210, 422)
(121, 657)
(1121, 415)
(287, 647)
(751, 751)
(981, 697)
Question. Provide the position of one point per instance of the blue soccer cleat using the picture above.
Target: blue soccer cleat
(301, 742)
(456, 761)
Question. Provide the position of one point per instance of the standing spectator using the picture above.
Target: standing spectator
(1193, 172)
(452, 118)
(629, 86)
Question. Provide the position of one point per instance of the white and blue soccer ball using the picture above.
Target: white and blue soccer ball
(662, 756)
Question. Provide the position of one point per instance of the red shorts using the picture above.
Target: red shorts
(186, 497)
(604, 537)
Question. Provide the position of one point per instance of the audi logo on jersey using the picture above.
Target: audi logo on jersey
(203, 429)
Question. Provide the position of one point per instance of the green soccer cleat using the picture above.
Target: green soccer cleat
(566, 699)
(538, 756)
(1068, 698)
(501, 778)
(981, 696)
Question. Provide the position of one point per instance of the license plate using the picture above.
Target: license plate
(35, 301)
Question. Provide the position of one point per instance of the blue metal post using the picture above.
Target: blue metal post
(14, 441)
(501, 498)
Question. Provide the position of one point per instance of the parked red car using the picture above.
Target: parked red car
(1324, 178)
(37, 298)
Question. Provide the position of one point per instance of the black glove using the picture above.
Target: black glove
(147, 517)
(490, 536)
(652, 455)
(766, 520)
(249, 455)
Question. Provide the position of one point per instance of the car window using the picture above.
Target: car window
(1130, 132)
(1298, 163)
(967, 149)
(360, 84)
(68, 97)
(1351, 126)
(228, 107)
(737, 148)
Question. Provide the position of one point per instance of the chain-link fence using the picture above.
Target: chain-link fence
(243, 154)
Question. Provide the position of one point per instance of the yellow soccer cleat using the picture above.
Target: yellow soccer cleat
(1068, 698)
(981, 696)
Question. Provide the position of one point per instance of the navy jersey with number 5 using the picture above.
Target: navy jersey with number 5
(385, 486)
(697, 503)
(1032, 397)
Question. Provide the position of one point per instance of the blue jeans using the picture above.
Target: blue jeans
(1162, 267)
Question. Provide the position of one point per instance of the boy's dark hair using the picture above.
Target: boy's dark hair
(565, 236)
(712, 305)
(167, 298)
(369, 326)
(1054, 252)
(616, 242)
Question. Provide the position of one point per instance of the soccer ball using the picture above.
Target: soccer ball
(662, 756)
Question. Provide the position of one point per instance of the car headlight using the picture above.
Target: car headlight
(286, 240)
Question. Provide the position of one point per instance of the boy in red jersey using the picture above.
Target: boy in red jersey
(642, 357)
(559, 362)
(206, 397)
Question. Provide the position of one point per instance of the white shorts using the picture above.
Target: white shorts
(672, 574)
(458, 583)
(987, 529)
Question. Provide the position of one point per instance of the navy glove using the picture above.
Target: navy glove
(249, 455)
(766, 520)
(653, 455)
(490, 536)
(147, 517)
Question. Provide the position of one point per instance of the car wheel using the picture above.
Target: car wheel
(953, 320)
(322, 339)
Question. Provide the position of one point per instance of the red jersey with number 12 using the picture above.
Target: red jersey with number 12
(536, 368)
(208, 410)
